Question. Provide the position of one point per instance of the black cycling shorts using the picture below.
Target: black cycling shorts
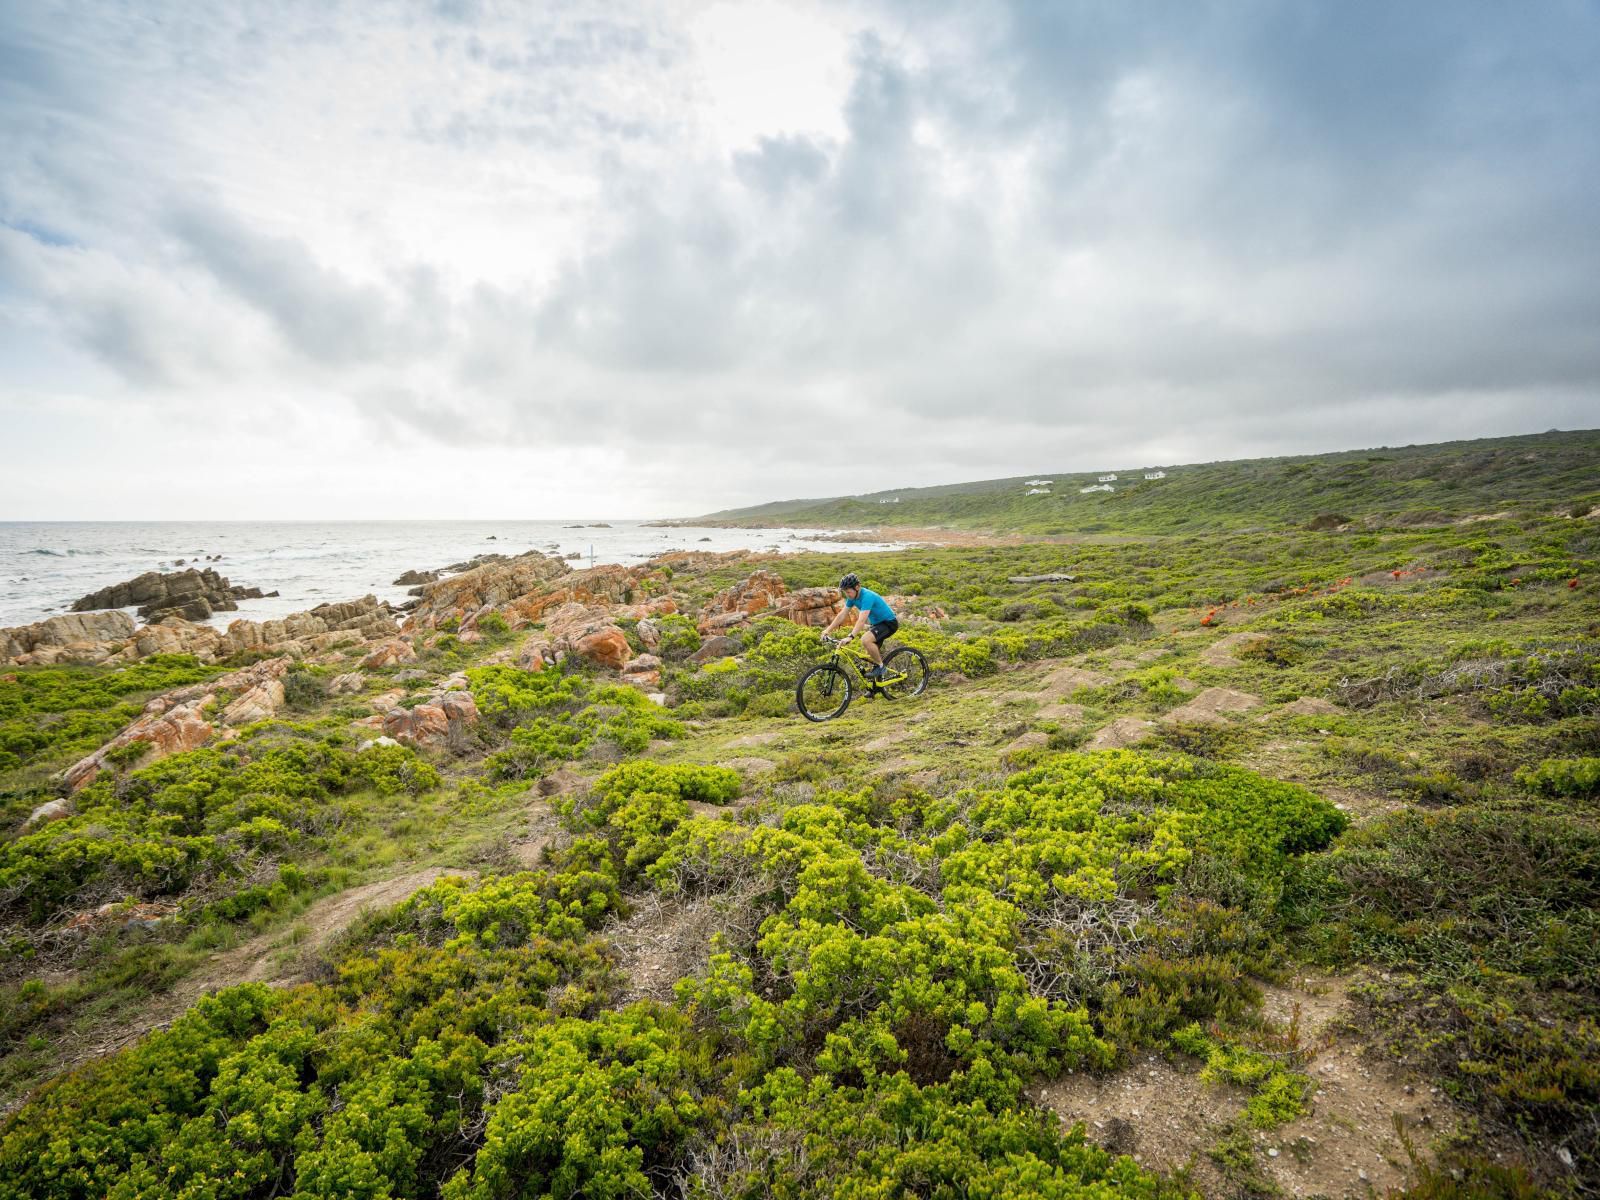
(884, 630)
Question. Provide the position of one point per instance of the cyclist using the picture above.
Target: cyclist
(872, 608)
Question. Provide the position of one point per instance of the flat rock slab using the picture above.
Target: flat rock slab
(749, 766)
(1121, 733)
(1211, 705)
(755, 739)
(1068, 679)
(1222, 652)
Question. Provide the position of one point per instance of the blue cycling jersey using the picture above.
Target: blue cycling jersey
(876, 607)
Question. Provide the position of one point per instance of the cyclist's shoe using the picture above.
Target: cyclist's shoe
(877, 673)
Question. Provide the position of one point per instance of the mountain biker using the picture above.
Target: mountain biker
(872, 608)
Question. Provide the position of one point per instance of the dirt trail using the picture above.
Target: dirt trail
(260, 961)
(1346, 1146)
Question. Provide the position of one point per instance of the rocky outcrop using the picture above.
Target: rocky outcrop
(811, 606)
(441, 723)
(194, 594)
(176, 721)
(612, 586)
(71, 638)
(257, 704)
(412, 578)
(491, 585)
(388, 653)
(762, 593)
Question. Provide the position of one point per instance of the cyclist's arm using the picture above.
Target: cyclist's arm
(844, 615)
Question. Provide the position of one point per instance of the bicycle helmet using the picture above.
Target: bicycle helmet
(849, 581)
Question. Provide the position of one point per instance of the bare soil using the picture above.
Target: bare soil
(1346, 1146)
(1121, 733)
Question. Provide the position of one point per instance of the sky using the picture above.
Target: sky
(469, 258)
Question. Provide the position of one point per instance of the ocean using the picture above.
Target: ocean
(46, 565)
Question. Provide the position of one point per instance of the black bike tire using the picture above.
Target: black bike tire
(922, 662)
(800, 692)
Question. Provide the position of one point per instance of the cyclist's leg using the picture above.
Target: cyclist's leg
(881, 633)
(869, 643)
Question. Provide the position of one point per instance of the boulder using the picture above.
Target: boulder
(813, 606)
(589, 633)
(347, 684)
(536, 654)
(55, 810)
(605, 648)
(173, 635)
(412, 578)
(759, 591)
(257, 704)
(19, 644)
(388, 653)
(644, 671)
(649, 631)
(716, 646)
(439, 724)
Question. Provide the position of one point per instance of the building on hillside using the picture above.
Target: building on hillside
(1040, 482)
(1096, 487)
(1044, 491)
(1108, 479)
(890, 500)
(1155, 474)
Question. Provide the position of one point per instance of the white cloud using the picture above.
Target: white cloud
(638, 259)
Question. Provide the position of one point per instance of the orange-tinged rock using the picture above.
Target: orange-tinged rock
(606, 647)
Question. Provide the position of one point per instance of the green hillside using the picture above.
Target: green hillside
(1387, 486)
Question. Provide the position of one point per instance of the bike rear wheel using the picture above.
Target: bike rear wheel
(913, 669)
(823, 693)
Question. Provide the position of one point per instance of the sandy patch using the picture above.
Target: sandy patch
(1209, 707)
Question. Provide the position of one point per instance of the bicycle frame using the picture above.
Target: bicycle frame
(849, 655)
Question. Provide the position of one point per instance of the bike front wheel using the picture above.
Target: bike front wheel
(911, 667)
(823, 693)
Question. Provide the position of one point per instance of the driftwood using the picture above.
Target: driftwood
(1042, 579)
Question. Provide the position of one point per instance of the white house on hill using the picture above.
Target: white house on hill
(1096, 487)
(1108, 479)
(1155, 474)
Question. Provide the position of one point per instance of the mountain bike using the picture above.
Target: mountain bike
(826, 689)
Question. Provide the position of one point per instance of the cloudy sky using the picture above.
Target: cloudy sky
(317, 258)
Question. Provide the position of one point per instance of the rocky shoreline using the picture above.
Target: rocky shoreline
(566, 613)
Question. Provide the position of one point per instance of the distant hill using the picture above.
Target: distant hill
(1405, 485)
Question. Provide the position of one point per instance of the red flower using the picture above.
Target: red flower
(1572, 583)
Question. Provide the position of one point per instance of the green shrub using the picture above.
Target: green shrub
(1576, 777)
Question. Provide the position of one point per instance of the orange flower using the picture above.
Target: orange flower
(1572, 583)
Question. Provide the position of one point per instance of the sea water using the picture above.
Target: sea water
(46, 565)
